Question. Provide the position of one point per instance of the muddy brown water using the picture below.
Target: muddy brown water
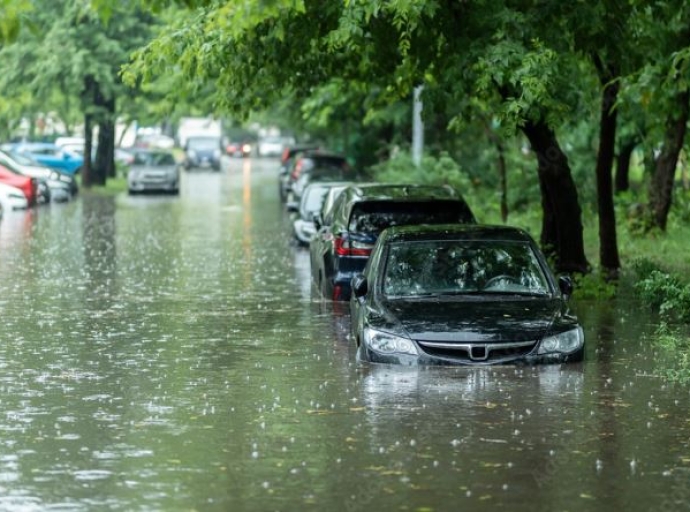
(164, 353)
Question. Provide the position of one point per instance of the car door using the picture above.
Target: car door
(321, 246)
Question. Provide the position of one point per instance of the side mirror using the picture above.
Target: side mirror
(566, 286)
(359, 286)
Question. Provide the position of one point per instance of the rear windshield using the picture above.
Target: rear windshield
(375, 216)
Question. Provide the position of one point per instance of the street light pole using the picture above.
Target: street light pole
(417, 126)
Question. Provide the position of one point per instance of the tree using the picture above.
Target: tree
(86, 70)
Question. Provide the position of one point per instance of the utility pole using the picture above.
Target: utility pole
(417, 126)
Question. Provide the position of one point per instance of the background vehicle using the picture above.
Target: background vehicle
(153, 170)
(49, 155)
(346, 237)
(270, 146)
(202, 152)
(238, 148)
(321, 175)
(309, 206)
(62, 186)
(12, 198)
(198, 127)
(469, 295)
(27, 185)
(286, 162)
(306, 161)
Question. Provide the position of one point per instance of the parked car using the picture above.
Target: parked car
(311, 202)
(12, 198)
(27, 185)
(462, 295)
(346, 236)
(61, 186)
(306, 161)
(202, 152)
(286, 162)
(321, 175)
(48, 154)
(153, 170)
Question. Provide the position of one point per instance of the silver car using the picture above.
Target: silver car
(153, 171)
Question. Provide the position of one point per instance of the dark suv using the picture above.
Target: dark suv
(348, 231)
(202, 151)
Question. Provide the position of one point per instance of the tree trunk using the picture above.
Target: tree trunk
(88, 144)
(608, 244)
(622, 181)
(502, 170)
(661, 190)
(562, 224)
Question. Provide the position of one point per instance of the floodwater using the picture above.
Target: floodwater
(166, 354)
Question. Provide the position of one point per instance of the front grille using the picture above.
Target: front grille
(477, 352)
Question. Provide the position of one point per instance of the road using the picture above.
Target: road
(166, 353)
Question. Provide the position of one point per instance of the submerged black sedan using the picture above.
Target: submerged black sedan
(462, 294)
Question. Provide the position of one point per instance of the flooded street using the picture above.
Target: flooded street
(166, 353)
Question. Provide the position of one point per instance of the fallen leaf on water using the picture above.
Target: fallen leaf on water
(586, 496)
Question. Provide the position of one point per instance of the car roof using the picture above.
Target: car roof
(468, 232)
(382, 191)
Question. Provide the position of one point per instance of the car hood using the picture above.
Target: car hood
(474, 320)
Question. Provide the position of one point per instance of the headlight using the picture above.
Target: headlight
(564, 342)
(246, 148)
(216, 153)
(388, 343)
(191, 153)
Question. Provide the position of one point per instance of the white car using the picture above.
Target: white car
(270, 146)
(12, 198)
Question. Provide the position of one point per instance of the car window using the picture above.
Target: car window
(437, 267)
(153, 159)
(375, 216)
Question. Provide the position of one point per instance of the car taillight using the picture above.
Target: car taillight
(344, 247)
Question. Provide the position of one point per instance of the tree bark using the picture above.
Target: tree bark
(88, 145)
(608, 244)
(661, 189)
(87, 96)
(104, 165)
(561, 224)
(622, 180)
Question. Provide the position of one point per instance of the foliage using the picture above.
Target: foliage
(667, 293)
(442, 170)
(593, 286)
(676, 347)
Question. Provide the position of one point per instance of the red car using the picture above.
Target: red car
(24, 183)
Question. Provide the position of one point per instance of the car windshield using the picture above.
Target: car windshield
(21, 159)
(153, 159)
(375, 216)
(459, 267)
(203, 143)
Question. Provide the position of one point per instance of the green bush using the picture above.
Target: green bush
(666, 293)
(431, 171)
